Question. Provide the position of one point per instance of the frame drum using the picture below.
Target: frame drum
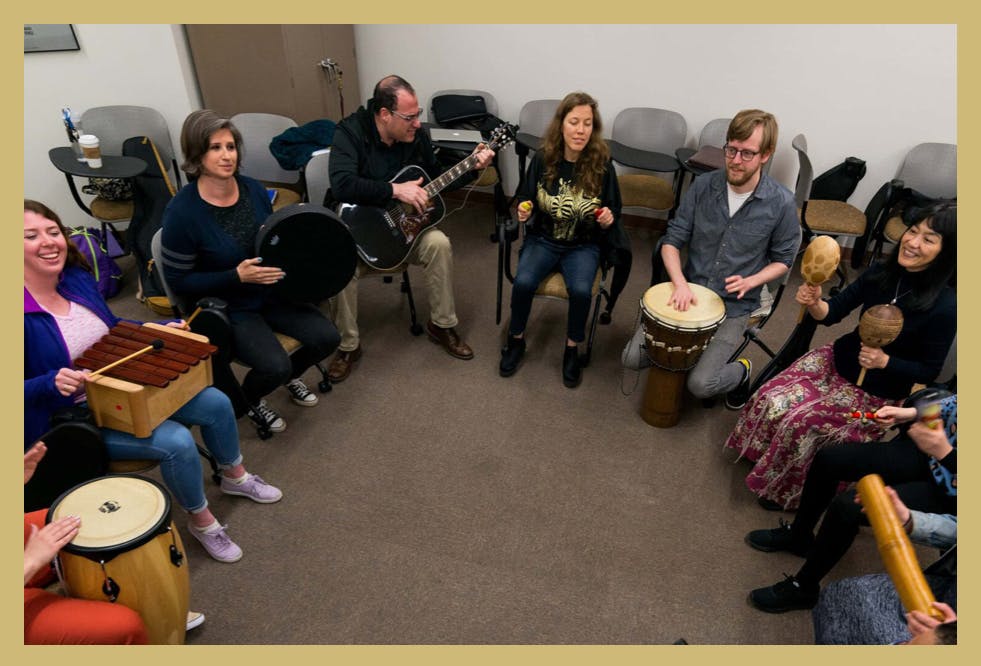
(314, 249)
(127, 551)
(675, 340)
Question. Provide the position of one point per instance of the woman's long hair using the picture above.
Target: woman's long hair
(74, 257)
(930, 282)
(591, 164)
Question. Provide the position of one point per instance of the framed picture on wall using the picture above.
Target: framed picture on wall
(40, 37)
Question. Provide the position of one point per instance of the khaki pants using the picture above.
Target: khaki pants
(434, 253)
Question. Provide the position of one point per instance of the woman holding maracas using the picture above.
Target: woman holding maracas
(570, 202)
(810, 403)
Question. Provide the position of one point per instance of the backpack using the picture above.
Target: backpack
(839, 182)
(98, 251)
(152, 191)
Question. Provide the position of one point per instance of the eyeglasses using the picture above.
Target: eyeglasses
(746, 155)
(414, 117)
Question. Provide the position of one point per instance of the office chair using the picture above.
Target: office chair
(646, 139)
(258, 130)
(828, 217)
(216, 329)
(113, 125)
(316, 177)
(929, 171)
(533, 120)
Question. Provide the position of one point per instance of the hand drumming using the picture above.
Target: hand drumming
(251, 272)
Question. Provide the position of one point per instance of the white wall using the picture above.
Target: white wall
(143, 65)
(872, 91)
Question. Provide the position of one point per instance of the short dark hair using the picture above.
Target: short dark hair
(196, 134)
(74, 258)
(946, 633)
(386, 93)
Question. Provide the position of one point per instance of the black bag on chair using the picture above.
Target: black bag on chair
(839, 182)
(76, 453)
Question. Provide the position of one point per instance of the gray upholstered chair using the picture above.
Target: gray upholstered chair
(258, 130)
(644, 140)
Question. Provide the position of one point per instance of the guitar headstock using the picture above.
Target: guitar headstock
(502, 135)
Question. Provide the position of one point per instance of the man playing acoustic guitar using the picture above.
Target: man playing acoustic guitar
(371, 146)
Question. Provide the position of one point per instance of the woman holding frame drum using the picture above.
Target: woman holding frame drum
(208, 240)
(814, 402)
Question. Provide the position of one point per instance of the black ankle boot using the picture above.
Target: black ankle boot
(571, 369)
(511, 355)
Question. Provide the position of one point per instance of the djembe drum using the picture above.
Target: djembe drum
(878, 326)
(674, 340)
(820, 261)
(127, 551)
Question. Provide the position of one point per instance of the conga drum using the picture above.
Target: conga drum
(675, 340)
(127, 551)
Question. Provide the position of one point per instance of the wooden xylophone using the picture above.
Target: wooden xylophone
(140, 394)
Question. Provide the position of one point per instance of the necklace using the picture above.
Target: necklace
(898, 295)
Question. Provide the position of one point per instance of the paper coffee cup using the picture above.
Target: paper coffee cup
(90, 149)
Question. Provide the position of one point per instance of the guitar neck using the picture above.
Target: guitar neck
(439, 184)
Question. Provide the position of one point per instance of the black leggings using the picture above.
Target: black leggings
(900, 464)
(254, 343)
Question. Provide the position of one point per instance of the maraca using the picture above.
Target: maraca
(819, 263)
(879, 326)
(525, 206)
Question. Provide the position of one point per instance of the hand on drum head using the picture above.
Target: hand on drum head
(250, 271)
(808, 294)
(43, 544)
(682, 298)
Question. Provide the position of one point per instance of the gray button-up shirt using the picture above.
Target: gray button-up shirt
(763, 231)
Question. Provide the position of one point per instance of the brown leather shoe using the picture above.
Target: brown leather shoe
(450, 341)
(342, 364)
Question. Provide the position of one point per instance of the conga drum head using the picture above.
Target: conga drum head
(706, 313)
(313, 247)
(118, 512)
(76, 453)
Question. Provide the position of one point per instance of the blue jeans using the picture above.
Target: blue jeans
(172, 444)
(539, 257)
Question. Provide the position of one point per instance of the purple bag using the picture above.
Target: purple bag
(99, 252)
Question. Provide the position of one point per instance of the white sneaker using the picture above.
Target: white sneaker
(301, 395)
(265, 414)
(194, 619)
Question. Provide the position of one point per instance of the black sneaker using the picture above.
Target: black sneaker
(777, 539)
(787, 595)
(511, 356)
(739, 396)
(571, 367)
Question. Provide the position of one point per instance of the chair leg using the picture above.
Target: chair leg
(414, 326)
(206, 454)
(585, 358)
(324, 384)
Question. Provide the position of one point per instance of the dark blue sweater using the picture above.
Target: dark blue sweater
(200, 258)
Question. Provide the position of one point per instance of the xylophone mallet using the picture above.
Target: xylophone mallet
(155, 345)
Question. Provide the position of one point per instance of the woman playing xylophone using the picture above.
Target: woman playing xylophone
(64, 314)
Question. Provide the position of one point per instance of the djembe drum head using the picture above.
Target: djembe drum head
(313, 247)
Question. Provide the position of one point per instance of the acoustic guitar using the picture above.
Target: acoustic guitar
(384, 236)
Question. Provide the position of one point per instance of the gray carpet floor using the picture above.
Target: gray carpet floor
(430, 501)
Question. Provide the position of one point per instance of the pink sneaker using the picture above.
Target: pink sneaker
(253, 487)
(218, 544)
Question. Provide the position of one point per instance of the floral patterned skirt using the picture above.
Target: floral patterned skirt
(804, 408)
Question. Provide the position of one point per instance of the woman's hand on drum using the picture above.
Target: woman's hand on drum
(43, 544)
(890, 415)
(872, 358)
(68, 381)
(682, 298)
(808, 294)
(250, 272)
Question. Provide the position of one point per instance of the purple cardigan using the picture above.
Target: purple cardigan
(45, 351)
